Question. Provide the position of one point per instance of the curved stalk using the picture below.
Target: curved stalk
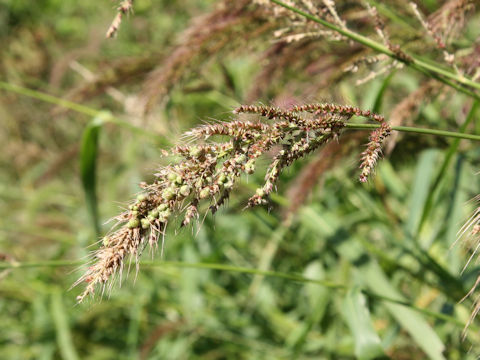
(243, 270)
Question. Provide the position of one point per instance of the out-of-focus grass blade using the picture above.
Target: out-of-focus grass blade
(318, 299)
(372, 97)
(64, 336)
(418, 328)
(391, 180)
(88, 166)
(455, 216)
(266, 257)
(190, 295)
(446, 162)
(134, 326)
(356, 314)
(377, 105)
(88, 158)
(332, 286)
(421, 183)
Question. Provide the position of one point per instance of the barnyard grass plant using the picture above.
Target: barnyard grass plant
(329, 241)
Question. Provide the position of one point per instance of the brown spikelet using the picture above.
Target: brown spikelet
(125, 7)
(373, 151)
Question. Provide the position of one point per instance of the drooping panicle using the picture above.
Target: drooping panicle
(206, 167)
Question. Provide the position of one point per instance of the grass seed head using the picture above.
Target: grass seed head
(206, 171)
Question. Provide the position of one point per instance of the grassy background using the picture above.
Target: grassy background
(364, 245)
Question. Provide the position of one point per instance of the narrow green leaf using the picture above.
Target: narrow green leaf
(377, 106)
(60, 319)
(190, 295)
(446, 162)
(421, 183)
(418, 328)
(392, 181)
(356, 314)
(88, 166)
(134, 327)
(455, 215)
(318, 299)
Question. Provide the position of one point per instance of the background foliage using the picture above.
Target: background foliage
(337, 266)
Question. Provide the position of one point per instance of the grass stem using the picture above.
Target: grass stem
(244, 270)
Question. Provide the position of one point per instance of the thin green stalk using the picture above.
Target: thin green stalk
(110, 118)
(36, 264)
(49, 98)
(244, 270)
(434, 70)
(82, 109)
(63, 263)
(416, 130)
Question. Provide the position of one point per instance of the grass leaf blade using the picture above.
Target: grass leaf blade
(60, 319)
(88, 168)
(356, 314)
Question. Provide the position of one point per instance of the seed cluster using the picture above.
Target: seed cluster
(207, 171)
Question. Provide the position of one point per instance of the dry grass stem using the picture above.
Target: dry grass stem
(125, 7)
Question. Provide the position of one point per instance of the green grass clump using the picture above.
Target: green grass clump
(326, 267)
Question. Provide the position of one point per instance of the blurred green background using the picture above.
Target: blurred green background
(337, 267)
